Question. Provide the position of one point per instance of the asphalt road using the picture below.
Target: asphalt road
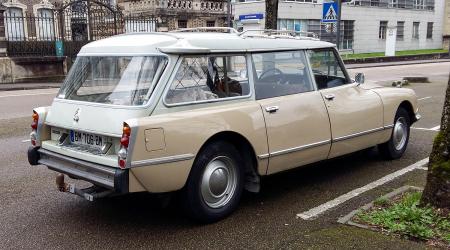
(34, 215)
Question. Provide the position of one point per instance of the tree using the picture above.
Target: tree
(437, 188)
(271, 14)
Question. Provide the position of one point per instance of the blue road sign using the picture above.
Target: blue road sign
(251, 16)
(330, 12)
(59, 46)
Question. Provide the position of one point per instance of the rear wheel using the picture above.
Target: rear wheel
(396, 146)
(215, 184)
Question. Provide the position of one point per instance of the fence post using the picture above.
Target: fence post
(2, 31)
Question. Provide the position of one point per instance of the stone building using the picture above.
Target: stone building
(446, 33)
(419, 23)
(176, 14)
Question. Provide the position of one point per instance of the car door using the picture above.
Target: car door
(356, 114)
(297, 124)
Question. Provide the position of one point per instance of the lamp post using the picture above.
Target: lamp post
(338, 24)
(229, 13)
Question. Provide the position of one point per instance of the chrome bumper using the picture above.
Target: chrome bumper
(104, 176)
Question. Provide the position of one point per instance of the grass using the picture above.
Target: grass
(397, 53)
(404, 216)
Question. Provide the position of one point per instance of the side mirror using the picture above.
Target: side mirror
(359, 78)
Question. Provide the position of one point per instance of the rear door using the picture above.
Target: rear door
(356, 114)
(297, 124)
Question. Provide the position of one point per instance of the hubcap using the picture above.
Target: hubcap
(400, 133)
(219, 182)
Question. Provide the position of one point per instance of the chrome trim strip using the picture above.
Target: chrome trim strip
(321, 143)
(346, 137)
(294, 149)
(162, 160)
(263, 156)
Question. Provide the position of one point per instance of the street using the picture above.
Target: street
(34, 214)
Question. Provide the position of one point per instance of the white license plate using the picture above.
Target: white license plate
(83, 138)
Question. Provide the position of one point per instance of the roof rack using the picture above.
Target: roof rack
(269, 33)
(206, 29)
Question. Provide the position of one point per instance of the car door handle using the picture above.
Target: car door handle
(329, 97)
(272, 109)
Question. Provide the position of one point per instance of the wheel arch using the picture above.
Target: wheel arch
(409, 108)
(245, 148)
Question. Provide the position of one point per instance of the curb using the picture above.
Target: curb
(347, 219)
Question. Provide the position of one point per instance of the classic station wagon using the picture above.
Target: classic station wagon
(209, 113)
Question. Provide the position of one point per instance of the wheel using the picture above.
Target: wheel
(396, 146)
(215, 184)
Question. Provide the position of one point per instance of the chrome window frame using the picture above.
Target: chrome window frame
(348, 80)
(177, 67)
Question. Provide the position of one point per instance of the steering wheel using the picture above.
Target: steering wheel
(277, 72)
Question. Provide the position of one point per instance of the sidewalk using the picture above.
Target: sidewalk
(387, 64)
(25, 86)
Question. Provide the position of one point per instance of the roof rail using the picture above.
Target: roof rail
(269, 33)
(206, 29)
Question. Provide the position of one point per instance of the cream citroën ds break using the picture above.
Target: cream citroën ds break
(209, 113)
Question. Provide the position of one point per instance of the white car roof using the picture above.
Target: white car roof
(194, 43)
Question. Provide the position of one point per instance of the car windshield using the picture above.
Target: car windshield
(119, 80)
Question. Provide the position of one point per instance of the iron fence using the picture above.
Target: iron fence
(73, 26)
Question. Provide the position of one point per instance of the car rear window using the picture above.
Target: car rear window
(118, 80)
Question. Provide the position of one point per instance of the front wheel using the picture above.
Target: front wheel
(396, 146)
(215, 184)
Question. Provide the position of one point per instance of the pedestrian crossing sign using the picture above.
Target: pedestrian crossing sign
(330, 12)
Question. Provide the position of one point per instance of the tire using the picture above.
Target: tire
(215, 184)
(397, 144)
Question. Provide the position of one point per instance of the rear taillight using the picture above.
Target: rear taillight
(34, 126)
(124, 142)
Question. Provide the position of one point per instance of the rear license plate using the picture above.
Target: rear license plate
(83, 138)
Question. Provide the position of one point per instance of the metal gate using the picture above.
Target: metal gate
(84, 21)
(68, 28)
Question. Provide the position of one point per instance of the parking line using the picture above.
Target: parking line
(428, 129)
(424, 98)
(316, 211)
(436, 128)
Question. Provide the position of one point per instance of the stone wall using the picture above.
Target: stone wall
(32, 69)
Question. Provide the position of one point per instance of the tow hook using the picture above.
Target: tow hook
(90, 193)
(60, 184)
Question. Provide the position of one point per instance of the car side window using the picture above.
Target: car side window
(209, 77)
(326, 68)
(281, 73)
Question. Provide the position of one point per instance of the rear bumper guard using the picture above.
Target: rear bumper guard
(110, 178)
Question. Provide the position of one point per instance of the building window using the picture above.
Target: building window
(347, 41)
(429, 30)
(210, 23)
(15, 28)
(327, 32)
(182, 24)
(382, 30)
(400, 30)
(45, 25)
(415, 30)
(300, 1)
(292, 24)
